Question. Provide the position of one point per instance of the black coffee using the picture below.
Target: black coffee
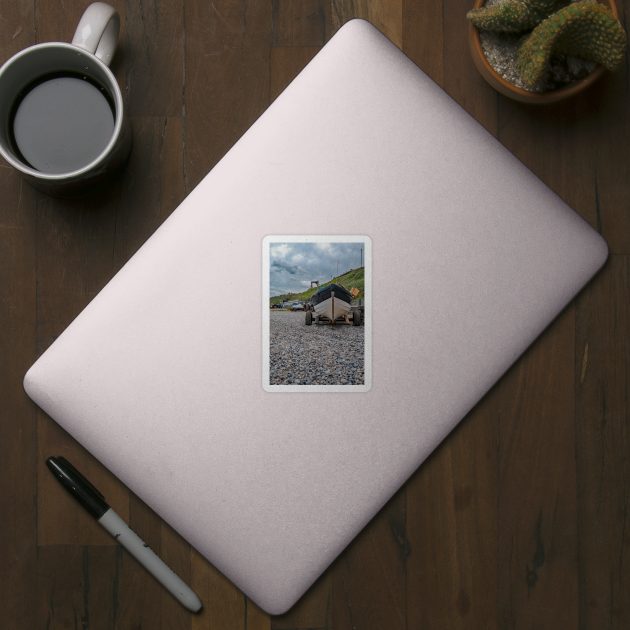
(61, 123)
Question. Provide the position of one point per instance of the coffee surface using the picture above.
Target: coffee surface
(62, 124)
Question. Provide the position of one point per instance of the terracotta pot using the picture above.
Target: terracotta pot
(518, 94)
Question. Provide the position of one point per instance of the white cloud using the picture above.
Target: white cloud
(293, 265)
(324, 246)
(280, 250)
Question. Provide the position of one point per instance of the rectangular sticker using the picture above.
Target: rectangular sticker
(317, 313)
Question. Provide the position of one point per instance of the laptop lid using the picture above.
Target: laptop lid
(165, 376)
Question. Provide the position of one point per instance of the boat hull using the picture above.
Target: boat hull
(323, 300)
(325, 308)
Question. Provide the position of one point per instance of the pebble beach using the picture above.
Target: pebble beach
(314, 355)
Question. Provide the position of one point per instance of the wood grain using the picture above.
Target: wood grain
(154, 57)
(452, 515)
(369, 577)
(537, 509)
(386, 15)
(151, 187)
(18, 416)
(573, 149)
(285, 64)
(76, 587)
(313, 609)
(422, 36)
(304, 23)
(462, 81)
(602, 380)
(224, 606)
(609, 133)
(226, 78)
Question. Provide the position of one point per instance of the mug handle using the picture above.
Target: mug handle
(98, 30)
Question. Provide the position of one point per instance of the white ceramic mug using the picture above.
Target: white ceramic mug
(86, 58)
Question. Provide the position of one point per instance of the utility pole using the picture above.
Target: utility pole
(361, 257)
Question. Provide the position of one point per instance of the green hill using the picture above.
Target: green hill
(348, 280)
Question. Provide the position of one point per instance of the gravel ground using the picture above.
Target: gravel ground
(314, 355)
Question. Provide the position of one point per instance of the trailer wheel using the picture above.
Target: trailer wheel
(309, 318)
(356, 318)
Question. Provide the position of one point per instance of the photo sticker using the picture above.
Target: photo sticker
(317, 314)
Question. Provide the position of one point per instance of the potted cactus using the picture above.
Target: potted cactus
(558, 49)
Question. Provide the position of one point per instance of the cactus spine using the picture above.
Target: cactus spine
(513, 16)
(583, 29)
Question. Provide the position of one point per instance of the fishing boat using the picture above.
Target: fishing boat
(331, 301)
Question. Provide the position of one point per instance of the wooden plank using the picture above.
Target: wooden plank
(603, 469)
(171, 159)
(226, 78)
(386, 15)
(561, 149)
(301, 23)
(537, 537)
(76, 587)
(461, 78)
(452, 527)
(255, 618)
(285, 64)
(568, 145)
(423, 36)
(224, 606)
(18, 424)
(558, 148)
(57, 23)
(575, 147)
(17, 28)
(152, 184)
(369, 577)
(154, 57)
(608, 126)
(313, 609)
(74, 248)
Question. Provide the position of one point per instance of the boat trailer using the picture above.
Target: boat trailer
(323, 319)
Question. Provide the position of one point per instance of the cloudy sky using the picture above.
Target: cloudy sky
(292, 266)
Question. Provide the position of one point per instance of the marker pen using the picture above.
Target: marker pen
(94, 502)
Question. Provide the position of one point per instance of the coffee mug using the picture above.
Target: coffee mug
(62, 114)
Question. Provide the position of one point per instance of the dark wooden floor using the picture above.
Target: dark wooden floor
(518, 520)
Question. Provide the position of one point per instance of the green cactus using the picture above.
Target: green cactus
(584, 29)
(513, 16)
